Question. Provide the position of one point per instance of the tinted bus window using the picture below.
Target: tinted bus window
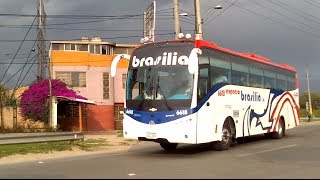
(256, 77)
(203, 83)
(269, 79)
(291, 81)
(281, 81)
(220, 71)
(239, 74)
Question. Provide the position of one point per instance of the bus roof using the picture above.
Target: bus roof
(251, 56)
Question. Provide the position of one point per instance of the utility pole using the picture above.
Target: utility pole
(1, 107)
(176, 18)
(50, 87)
(198, 19)
(310, 106)
(41, 40)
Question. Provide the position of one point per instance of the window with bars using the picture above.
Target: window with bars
(106, 49)
(57, 46)
(72, 79)
(106, 86)
(95, 48)
(82, 47)
(73, 110)
(69, 47)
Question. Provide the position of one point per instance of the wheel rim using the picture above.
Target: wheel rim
(280, 131)
(225, 136)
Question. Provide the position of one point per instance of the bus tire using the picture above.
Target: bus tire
(241, 140)
(281, 130)
(267, 135)
(226, 141)
(169, 146)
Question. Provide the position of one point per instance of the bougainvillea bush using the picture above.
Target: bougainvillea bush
(35, 100)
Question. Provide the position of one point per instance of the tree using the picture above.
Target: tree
(35, 100)
(315, 100)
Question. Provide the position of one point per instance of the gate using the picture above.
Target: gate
(118, 116)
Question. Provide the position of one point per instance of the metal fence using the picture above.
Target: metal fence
(24, 138)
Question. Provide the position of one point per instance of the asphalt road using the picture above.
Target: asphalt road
(295, 156)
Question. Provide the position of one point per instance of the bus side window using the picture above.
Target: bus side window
(256, 76)
(239, 74)
(203, 76)
(269, 79)
(220, 70)
(203, 81)
(281, 82)
(291, 82)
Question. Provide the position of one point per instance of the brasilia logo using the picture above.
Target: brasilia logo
(167, 58)
(250, 97)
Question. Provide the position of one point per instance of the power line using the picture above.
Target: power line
(277, 21)
(222, 12)
(70, 16)
(292, 19)
(16, 88)
(33, 58)
(314, 3)
(18, 49)
(16, 40)
(24, 65)
(286, 6)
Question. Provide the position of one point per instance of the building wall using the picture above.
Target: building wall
(119, 95)
(100, 116)
(78, 58)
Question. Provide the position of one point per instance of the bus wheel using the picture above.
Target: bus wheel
(169, 146)
(281, 131)
(226, 141)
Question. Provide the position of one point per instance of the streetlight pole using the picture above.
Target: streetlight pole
(309, 96)
(176, 18)
(198, 19)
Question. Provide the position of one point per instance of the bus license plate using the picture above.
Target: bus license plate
(151, 135)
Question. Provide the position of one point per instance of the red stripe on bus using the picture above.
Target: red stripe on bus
(278, 117)
(274, 110)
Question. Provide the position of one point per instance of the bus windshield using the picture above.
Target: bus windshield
(159, 77)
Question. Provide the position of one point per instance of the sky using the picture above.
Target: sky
(285, 31)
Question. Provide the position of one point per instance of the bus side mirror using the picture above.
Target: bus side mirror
(115, 62)
(193, 60)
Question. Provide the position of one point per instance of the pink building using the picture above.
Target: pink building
(85, 66)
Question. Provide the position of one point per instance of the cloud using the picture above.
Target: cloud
(284, 34)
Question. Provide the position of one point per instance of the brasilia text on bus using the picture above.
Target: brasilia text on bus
(167, 58)
(250, 97)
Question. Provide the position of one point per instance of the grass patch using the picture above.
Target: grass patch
(7, 150)
(87, 145)
(124, 143)
(316, 113)
(119, 133)
(91, 144)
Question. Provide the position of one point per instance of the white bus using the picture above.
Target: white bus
(193, 91)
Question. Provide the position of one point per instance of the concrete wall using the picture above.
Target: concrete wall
(7, 119)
